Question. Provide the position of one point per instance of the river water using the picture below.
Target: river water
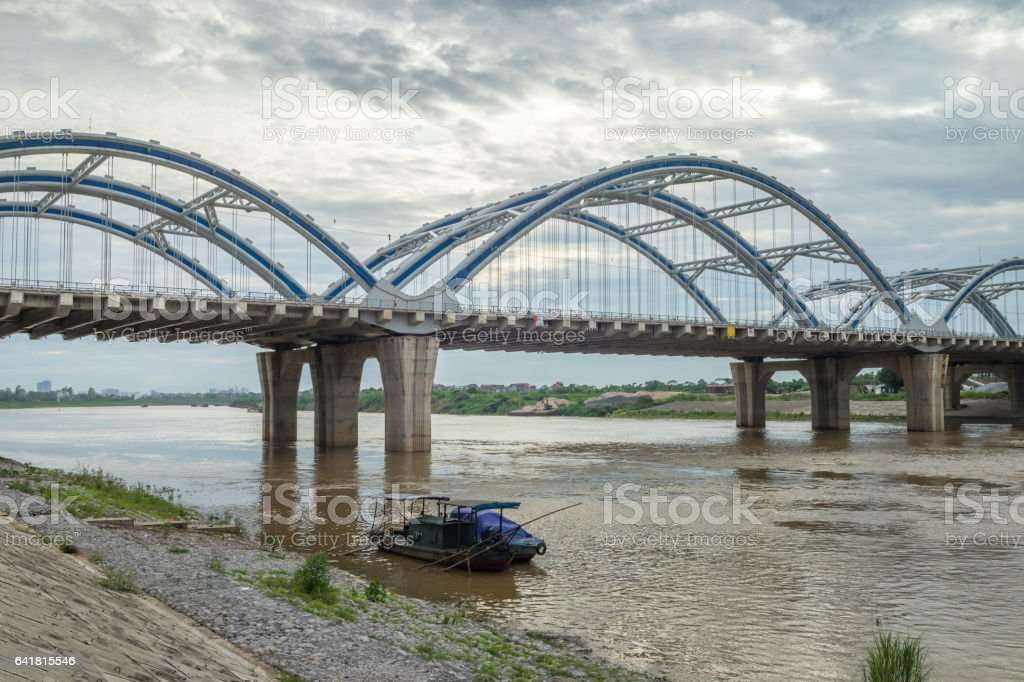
(841, 529)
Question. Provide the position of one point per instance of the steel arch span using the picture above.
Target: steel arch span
(490, 231)
(978, 287)
(196, 218)
(639, 206)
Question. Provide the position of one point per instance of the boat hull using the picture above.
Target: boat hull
(488, 560)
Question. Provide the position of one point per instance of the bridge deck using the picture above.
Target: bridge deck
(269, 323)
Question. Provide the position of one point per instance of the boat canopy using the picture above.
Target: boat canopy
(480, 505)
(393, 497)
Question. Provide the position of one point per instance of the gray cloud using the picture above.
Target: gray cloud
(511, 98)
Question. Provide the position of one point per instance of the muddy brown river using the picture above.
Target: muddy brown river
(804, 540)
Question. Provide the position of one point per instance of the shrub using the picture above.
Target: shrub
(68, 547)
(376, 592)
(312, 578)
(893, 658)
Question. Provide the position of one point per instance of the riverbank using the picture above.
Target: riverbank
(236, 588)
(53, 605)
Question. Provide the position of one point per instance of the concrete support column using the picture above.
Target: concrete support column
(337, 373)
(951, 392)
(280, 372)
(750, 380)
(407, 366)
(1015, 384)
(924, 379)
(829, 379)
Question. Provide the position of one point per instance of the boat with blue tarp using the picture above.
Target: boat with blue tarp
(474, 533)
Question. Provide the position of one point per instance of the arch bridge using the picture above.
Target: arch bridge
(112, 237)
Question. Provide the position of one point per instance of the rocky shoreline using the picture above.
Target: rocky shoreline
(219, 582)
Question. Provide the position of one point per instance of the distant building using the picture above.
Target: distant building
(112, 392)
(44, 386)
(720, 389)
(521, 387)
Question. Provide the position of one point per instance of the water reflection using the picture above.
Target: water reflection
(409, 471)
(279, 493)
(336, 499)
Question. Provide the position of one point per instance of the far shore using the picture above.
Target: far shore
(867, 408)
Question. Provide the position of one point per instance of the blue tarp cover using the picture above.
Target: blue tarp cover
(492, 521)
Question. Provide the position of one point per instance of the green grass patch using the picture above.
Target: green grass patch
(308, 588)
(94, 492)
(119, 581)
(176, 549)
(67, 547)
(895, 658)
(102, 494)
(289, 677)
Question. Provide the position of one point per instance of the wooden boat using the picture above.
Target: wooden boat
(448, 532)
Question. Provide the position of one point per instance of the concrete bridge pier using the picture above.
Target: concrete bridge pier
(750, 380)
(407, 365)
(924, 380)
(337, 372)
(951, 391)
(1014, 377)
(830, 380)
(280, 373)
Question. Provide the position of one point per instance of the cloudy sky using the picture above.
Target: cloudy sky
(850, 103)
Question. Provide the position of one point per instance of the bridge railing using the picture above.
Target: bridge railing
(181, 292)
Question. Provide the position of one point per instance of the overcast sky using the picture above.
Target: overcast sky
(850, 108)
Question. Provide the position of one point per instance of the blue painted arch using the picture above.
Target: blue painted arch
(111, 145)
